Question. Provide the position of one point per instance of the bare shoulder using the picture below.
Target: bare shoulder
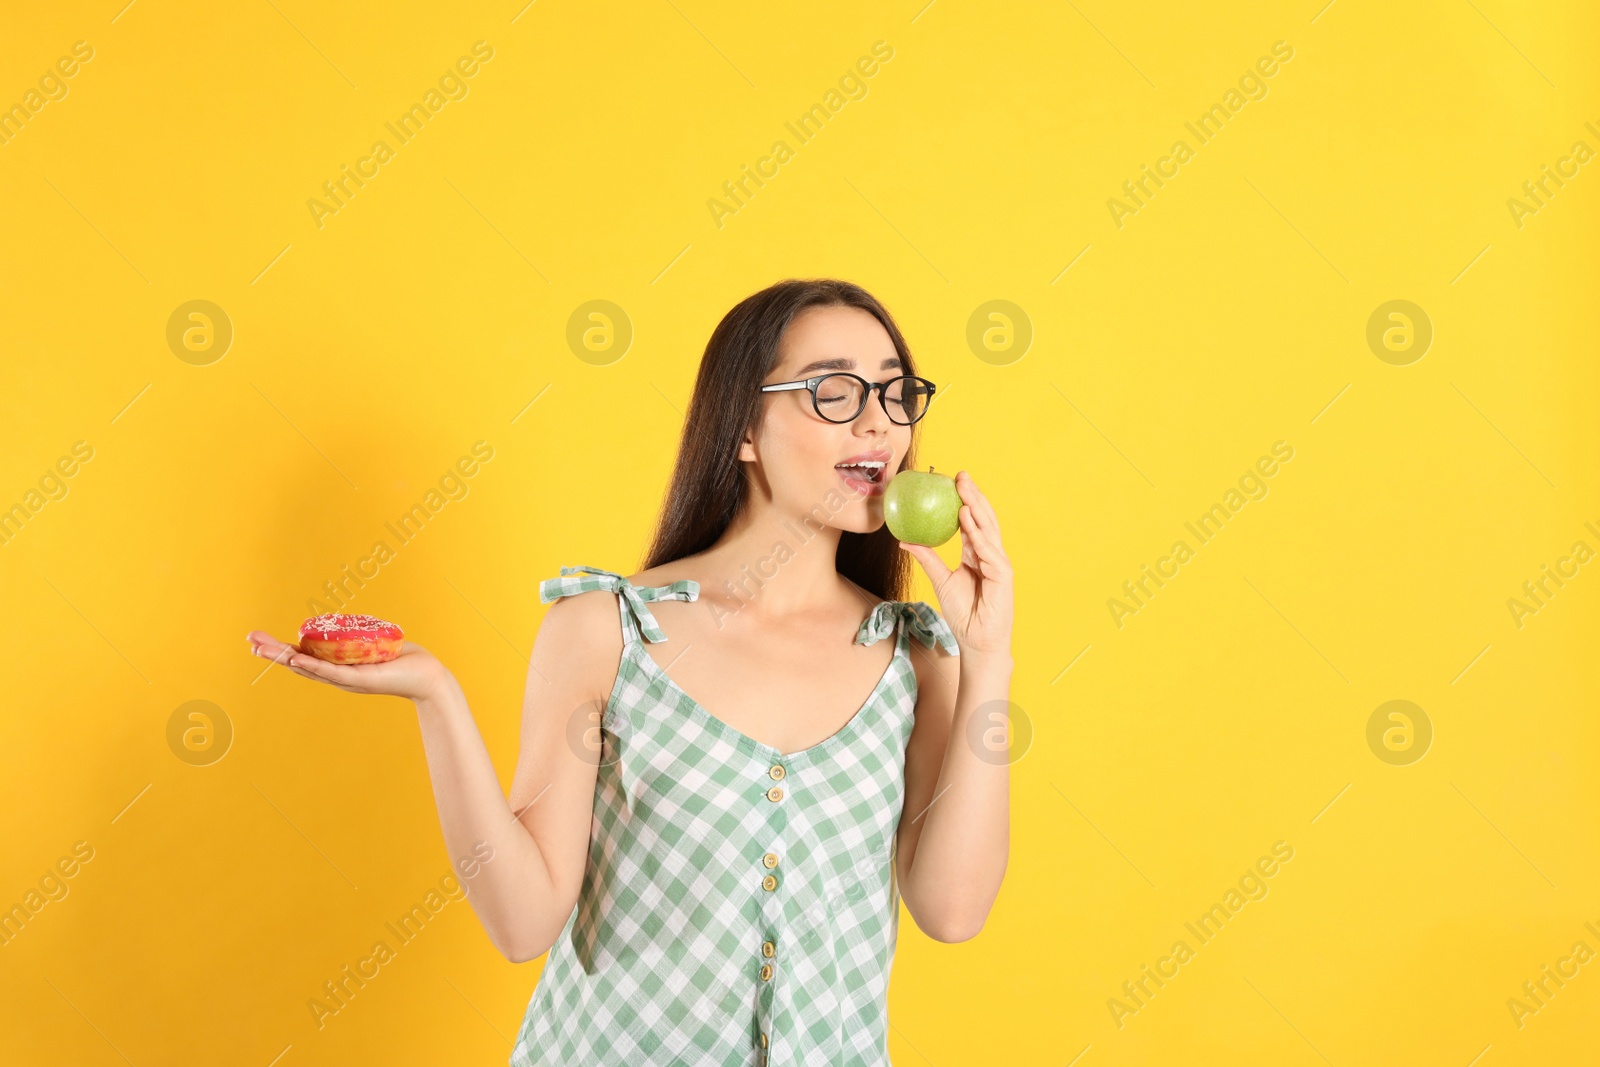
(937, 670)
(581, 635)
(869, 599)
(665, 574)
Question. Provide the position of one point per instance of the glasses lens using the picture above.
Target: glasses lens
(839, 397)
(907, 399)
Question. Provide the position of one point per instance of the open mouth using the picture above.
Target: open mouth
(865, 475)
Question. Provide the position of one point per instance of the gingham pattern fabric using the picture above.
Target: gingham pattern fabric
(739, 906)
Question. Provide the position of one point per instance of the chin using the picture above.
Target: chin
(839, 506)
(860, 516)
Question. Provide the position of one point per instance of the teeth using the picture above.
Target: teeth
(872, 469)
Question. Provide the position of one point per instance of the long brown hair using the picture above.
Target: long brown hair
(709, 485)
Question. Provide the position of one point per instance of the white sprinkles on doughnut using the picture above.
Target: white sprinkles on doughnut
(353, 626)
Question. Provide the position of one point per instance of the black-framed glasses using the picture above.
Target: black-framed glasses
(842, 396)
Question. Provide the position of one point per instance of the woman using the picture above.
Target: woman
(719, 882)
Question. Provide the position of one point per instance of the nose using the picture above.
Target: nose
(873, 417)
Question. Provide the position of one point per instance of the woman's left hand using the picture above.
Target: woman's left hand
(975, 598)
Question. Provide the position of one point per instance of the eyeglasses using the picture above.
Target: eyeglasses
(842, 397)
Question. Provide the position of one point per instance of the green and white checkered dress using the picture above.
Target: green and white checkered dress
(739, 906)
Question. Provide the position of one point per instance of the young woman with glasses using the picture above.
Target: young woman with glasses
(717, 877)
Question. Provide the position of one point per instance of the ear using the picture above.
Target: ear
(747, 448)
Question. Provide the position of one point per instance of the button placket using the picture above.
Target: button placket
(772, 908)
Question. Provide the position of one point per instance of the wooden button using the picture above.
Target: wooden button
(769, 883)
(763, 1040)
(768, 948)
(776, 772)
(770, 860)
(766, 972)
(775, 793)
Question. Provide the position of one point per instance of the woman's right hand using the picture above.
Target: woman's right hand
(414, 674)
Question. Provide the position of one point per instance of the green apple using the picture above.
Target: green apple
(921, 507)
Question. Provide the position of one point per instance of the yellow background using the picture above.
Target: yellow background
(1229, 313)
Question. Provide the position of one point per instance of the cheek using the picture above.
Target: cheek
(803, 436)
(812, 461)
(794, 448)
(899, 444)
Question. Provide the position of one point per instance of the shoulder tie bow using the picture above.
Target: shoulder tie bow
(586, 579)
(925, 623)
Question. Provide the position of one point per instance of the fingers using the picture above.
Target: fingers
(261, 641)
(344, 677)
(986, 554)
(974, 497)
(276, 651)
(295, 668)
(931, 563)
(984, 514)
(979, 550)
(968, 522)
(279, 655)
(290, 657)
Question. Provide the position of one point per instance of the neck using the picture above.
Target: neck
(774, 563)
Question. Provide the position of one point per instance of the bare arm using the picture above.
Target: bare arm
(955, 832)
(954, 837)
(527, 854)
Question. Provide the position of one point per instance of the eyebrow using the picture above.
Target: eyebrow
(837, 363)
